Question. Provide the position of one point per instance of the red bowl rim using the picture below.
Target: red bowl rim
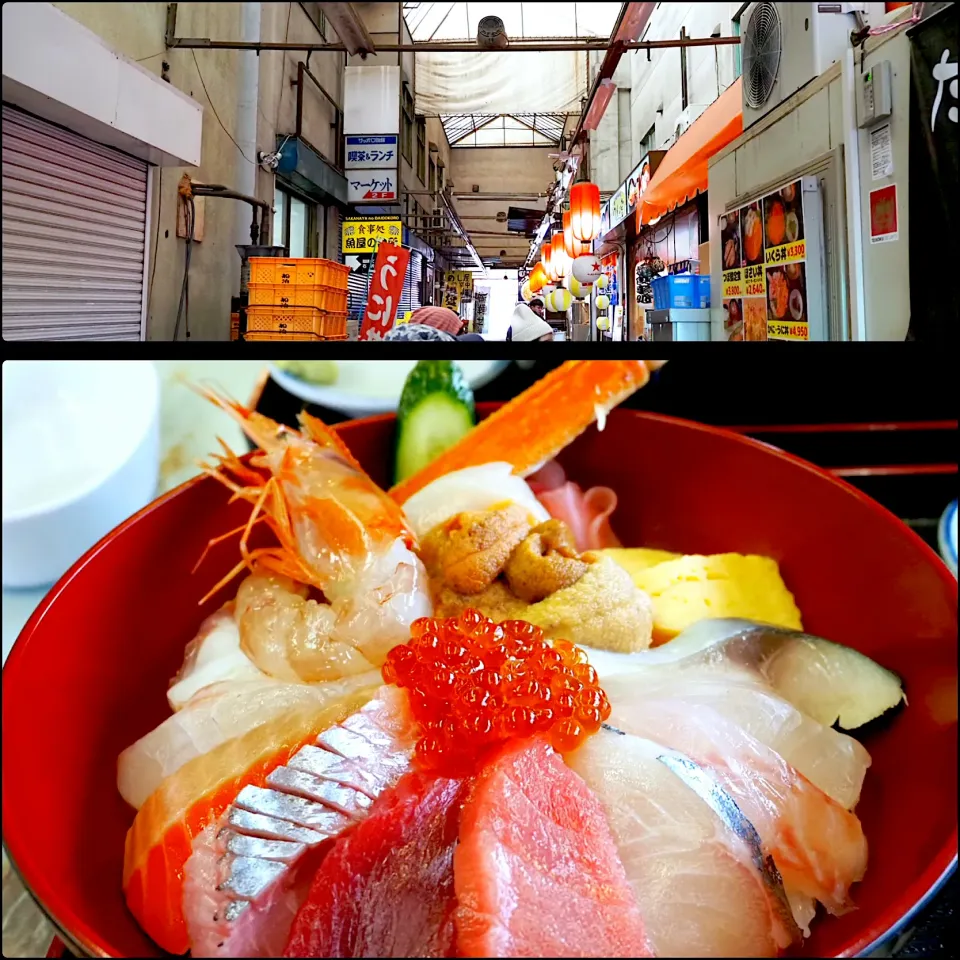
(913, 899)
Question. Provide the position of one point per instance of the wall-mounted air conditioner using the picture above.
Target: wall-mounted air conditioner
(786, 45)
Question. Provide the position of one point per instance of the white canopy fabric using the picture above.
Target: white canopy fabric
(491, 82)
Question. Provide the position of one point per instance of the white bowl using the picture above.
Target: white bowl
(366, 387)
(81, 453)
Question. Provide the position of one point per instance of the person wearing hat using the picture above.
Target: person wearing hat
(527, 323)
(418, 331)
(440, 318)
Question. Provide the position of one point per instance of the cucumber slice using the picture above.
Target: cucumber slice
(434, 425)
(436, 410)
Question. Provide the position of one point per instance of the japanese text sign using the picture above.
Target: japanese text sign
(365, 234)
(386, 286)
(371, 186)
(370, 152)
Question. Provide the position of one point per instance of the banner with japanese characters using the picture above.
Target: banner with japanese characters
(365, 234)
(763, 254)
(457, 285)
(933, 202)
(386, 286)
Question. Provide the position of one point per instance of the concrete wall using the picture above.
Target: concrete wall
(656, 84)
(211, 77)
(504, 171)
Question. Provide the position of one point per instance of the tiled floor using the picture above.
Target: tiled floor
(26, 932)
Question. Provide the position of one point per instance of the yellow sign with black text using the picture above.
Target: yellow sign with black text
(732, 283)
(787, 253)
(365, 234)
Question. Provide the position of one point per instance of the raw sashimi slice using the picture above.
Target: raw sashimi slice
(386, 889)
(537, 873)
(212, 656)
(248, 875)
(833, 761)
(701, 880)
(818, 846)
(161, 837)
(216, 714)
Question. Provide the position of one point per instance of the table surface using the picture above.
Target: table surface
(189, 431)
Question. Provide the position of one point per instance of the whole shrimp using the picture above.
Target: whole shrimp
(337, 532)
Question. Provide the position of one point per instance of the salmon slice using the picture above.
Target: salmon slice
(537, 873)
(536, 425)
(818, 845)
(386, 889)
(250, 871)
(160, 839)
(703, 884)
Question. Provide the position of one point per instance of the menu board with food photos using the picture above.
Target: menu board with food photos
(763, 250)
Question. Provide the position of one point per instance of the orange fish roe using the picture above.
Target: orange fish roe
(474, 683)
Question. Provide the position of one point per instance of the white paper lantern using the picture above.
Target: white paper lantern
(603, 301)
(602, 282)
(576, 288)
(525, 292)
(559, 301)
(603, 323)
(586, 269)
(546, 290)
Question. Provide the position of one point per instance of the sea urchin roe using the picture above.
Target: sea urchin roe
(474, 683)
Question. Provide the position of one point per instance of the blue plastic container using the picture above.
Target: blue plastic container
(703, 291)
(679, 292)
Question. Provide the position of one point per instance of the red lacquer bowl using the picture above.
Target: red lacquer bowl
(89, 672)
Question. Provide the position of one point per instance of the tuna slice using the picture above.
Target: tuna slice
(249, 872)
(818, 845)
(386, 888)
(537, 872)
(700, 878)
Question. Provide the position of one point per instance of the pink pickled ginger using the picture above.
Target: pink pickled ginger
(587, 514)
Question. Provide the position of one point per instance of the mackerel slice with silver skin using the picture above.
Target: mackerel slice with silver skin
(251, 870)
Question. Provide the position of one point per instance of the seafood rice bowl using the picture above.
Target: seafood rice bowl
(516, 681)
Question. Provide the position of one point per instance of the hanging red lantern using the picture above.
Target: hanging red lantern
(538, 278)
(560, 261)
(546, 259)
(572, 247)
(585, 211)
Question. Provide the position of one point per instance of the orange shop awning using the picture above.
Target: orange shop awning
(683, 172)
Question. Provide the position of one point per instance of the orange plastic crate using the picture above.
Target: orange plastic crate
(273, 335)
(298, 295)
(310, 271)
(334, 326)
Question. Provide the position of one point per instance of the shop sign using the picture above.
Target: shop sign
(365, 234)
(386, 286)
(638, 180)
(458, 284)
(763, 255)
(618, 207)
(604, 220)
(370, 152)
(372, 186)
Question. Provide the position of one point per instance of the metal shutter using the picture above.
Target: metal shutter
(74, 226)
(358, 283)
(412, 296)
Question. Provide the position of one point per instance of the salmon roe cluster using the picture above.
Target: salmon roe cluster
(474, 683)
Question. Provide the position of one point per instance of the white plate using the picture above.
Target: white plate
(948, 536)
(366, 387)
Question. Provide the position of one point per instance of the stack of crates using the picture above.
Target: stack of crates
(297, 299)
